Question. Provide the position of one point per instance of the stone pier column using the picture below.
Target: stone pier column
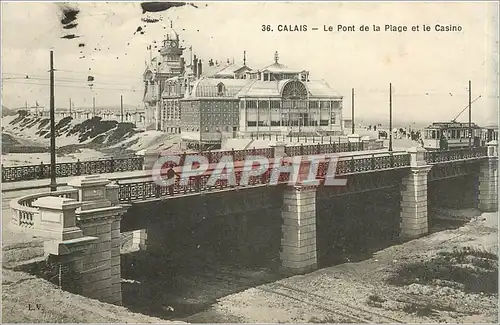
(414, 222)
(488, 180)
(99, 216)
(298, 234)
(68, 244)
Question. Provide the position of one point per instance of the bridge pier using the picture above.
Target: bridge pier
(99, 216)
(488, 186)
(298, 231)
(414, 221)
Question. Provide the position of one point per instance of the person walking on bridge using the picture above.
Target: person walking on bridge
(171, 173)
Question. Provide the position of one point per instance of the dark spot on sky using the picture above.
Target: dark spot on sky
(70, 26)
(71, 36)
(160, 6)
(81, 45)
(69, 14)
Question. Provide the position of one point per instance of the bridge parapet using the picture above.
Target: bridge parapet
(346, 165)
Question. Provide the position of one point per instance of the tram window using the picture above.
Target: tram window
(433, 134)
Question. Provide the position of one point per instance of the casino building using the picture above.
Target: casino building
(209, 102)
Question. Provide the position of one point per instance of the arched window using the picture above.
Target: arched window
(221, 89)
(294, 89)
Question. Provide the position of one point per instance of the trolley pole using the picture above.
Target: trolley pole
(53, 182)
(390, 116)
(352, 113)
(470, 115)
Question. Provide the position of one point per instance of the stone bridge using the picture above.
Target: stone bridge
(300, 226)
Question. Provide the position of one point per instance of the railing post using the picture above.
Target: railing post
(233, 155)
(301, 149)
(352, 165)
(253, 151)
(392, 158)
(318, 149)
(373, 161)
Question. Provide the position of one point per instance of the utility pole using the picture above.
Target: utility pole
(70, 107)
(53, 182)
(390, 116)
(93, 106)
(470, 115)
(121, 107)
(352, 112)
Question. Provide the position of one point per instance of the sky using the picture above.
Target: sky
(429, 71)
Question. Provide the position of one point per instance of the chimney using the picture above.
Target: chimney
(195, 66)
(199, 68)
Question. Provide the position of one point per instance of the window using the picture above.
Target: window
(206, 128)
(313, 104)
(266, 77)
(226, 128)
(251, 104)
(263, 104)
(221, 89)
(294, 89)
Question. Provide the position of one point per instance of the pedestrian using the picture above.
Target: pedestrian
(171, 173)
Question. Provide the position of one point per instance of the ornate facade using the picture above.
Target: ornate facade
(207, 103)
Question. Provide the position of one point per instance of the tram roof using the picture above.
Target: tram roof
(448, 125)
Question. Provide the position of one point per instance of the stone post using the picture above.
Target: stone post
(150, 157)
(298, 234)
(365, 140)
(279, 149)
(414, 221)
(98, 217)
(68, 244)
(488, 180)
(56, 218)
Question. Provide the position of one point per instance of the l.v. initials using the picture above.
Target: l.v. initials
(34, 306)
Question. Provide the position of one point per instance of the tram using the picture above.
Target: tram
(453, 135)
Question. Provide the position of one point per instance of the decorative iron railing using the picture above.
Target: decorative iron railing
(42, 171)
(90, 167)
(434, 157)
(138, 191)
(23, 212)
